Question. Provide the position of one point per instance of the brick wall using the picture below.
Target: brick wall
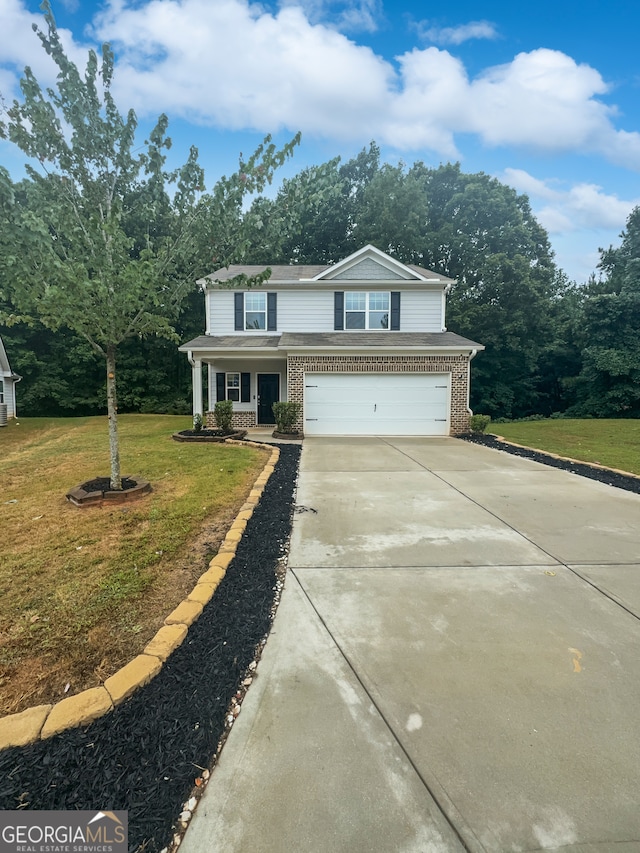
(241, 420)
(456, 365)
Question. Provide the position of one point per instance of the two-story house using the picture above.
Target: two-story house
(361, 344)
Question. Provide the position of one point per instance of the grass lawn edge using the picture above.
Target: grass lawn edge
(596, 465)
(43, 721)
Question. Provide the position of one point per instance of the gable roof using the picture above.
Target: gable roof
(4, 361)
(369, 257)
(367, 264)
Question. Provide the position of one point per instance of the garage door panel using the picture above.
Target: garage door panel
(377, 404)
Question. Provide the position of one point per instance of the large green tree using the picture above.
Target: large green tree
(608, 327)
(101, 239)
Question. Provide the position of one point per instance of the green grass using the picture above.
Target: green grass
(614, 443)
(82, 590)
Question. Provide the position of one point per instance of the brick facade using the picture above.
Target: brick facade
(456, 365)
(241, 420)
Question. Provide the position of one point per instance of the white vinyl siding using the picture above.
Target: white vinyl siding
(376, 404)
(7, 394)
(313, 311)
(421, 312)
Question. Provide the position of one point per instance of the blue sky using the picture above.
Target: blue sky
(542, 96)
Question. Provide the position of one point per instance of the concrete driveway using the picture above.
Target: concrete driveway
(454, 665)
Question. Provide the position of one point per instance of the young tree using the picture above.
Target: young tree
(101, 239)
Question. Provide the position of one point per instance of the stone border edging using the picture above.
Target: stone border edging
(43, 721)
(80, 498)
(565, 458)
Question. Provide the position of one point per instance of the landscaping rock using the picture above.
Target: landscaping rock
(77, 710)
(23, 728)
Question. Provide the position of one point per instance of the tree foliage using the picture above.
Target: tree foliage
(608, 324)
(101, 239)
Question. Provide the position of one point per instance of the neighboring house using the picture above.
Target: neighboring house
(8, 382)
(361, 344)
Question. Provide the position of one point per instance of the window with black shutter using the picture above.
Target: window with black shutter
(395, 312)
(221, 387)
(272, 312)
(245, 387)
(338, 310)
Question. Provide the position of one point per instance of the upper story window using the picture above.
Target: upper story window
(366, 310)
(255, 312)
(358, 309)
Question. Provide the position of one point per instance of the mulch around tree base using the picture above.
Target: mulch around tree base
(144, 757)
(583, 469)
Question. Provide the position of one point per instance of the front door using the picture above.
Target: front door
(268, 394)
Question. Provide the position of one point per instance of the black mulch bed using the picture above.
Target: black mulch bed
(103, 484)
(610, 478)
(207, 433)
(145, 756)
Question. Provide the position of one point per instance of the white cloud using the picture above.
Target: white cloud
(19, 47)
(581, 206)
(456, 35)
(231, 64)
(344, 15)
(236, 65)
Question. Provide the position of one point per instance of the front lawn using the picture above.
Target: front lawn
(614, 443)
(83, 590)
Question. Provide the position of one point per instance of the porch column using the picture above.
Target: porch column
(196, 380)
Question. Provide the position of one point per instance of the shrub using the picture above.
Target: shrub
(197, 422)
(223, 413)
(286, 415)
(479, 423)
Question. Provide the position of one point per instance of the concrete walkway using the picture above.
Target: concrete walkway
(454, 664)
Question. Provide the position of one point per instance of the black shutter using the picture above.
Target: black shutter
(272, 313)
(245, 387)
(395, 312)
(221, 387)
(239, 311)
(338, 310)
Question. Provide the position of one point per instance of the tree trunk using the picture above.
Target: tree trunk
(112, 411)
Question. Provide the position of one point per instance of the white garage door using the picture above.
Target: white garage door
(376, 404)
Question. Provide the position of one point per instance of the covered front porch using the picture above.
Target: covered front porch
(250, 371)
(253, 386)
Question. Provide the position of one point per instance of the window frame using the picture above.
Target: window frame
(232, 388)
(367, 311)
(262, 311)
(1, 390)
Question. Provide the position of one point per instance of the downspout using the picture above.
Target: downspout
(473, 354)
(445, 293)
(16, 378)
